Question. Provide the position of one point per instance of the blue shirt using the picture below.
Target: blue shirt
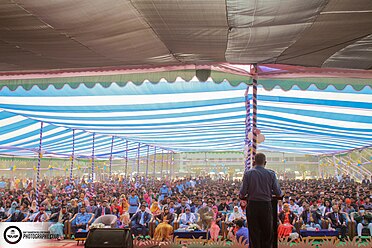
(243, 232)
(82, 218)
(260, 184)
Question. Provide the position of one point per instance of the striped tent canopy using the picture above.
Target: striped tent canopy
(180, 116)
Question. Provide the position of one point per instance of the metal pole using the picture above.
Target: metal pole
(154, 171)
(93, 157)
(126, 159)
(162, 163)
(168, 164)
(147, 161)
(138, 160)
(248, 129)
(39, 163)
(172, 166)
(73, 153)
(112, 147)
(254, 116)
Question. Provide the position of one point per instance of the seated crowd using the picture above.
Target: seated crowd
(185, 204)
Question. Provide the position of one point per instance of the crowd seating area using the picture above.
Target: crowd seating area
(161, 210)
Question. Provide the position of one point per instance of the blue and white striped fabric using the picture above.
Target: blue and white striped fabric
(181, 116)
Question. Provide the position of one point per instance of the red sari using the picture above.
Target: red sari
(285, 229)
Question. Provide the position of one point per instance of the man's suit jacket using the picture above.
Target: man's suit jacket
(98, 212)
(137, 218)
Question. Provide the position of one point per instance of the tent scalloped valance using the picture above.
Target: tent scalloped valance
(171, 76)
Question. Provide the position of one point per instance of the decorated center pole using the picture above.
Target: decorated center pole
(112, 147)
(39, 163)
(72, 154)
(254, 116)
(248, 129)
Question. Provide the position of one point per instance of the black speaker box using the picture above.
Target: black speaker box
(109, 237)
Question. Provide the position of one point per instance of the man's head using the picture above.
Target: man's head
(82, 209)
(239, 223)
(335, 208)
(260, 159)
(362, 210)
(143, 208)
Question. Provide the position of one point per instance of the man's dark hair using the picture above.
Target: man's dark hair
(260, 159)
(239, 223)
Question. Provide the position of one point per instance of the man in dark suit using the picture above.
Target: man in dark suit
(260, 184)
(338, 221)
(102, 210)
(141, 222)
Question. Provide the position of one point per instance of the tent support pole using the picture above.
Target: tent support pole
(72, 153)
(147, 161)
(39, 164)
(93, 137)
(248, 129)
(126, 160)
(154, 171)
(254, 116)
(112, 147)
(162, 163)
(138, 160)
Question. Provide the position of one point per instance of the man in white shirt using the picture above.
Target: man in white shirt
(293, 206)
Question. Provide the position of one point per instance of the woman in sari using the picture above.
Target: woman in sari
(287, 220)
(124, 204)
(215, 229)
(57, 228)
(164, 230)
(155, 209)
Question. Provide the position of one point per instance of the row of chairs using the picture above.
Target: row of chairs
(152, 225)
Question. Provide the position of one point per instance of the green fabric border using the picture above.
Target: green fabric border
(171, 76)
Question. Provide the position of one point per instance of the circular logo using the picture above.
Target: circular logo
(12, 235)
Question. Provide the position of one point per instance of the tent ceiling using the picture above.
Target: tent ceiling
(181, 116)
(61, 34)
